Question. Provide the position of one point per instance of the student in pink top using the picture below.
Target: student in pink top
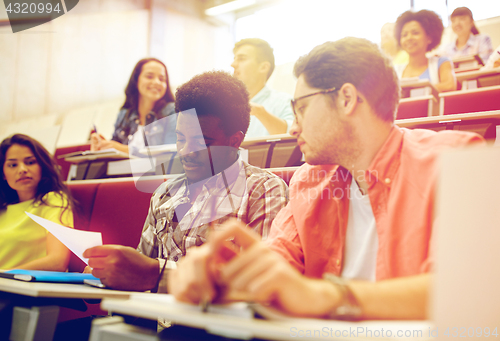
(354, 242)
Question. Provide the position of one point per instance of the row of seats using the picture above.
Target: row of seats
(453, 102)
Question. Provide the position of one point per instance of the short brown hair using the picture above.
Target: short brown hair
(356, 61)
(264, 51)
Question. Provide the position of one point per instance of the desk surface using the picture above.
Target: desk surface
(448, 118)
(58, 290)
(476, 74)
(165, 307)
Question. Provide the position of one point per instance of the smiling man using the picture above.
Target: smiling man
(213, 116)
(253, 65)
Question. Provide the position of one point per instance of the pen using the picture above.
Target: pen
(20, 277)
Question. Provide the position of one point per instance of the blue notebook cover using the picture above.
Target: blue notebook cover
(54, 276)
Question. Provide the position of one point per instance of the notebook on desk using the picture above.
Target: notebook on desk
(47, 276)
(88, 155)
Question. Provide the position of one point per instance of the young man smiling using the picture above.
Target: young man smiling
(213, 116)
(358, 243)
(253, 65)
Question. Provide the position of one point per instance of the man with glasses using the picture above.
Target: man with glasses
(354, 242)
(253, 65)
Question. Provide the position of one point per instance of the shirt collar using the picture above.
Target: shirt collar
(387, 160)
(469, 43)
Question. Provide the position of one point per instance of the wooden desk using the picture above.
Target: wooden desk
(478, 78)
(473, 100)
(33, 307)
(241, 327)
(483, 123)
(411, 87)
(413, 107)
(467, 63)
(273, 151)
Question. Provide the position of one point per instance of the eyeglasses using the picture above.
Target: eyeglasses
(294, 101)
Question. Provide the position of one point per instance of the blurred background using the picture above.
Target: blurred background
(74, 69)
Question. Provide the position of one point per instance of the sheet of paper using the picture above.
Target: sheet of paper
(76, 240)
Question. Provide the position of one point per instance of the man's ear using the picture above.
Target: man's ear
(264, 67)
(236, 139)
(347, 98)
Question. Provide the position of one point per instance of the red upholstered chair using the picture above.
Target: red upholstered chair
(119, 212)
(474, 100)
(84, 195)
(417, 107)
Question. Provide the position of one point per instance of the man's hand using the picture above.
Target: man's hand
(254, 272)
(123, 268)
(273, 124)
(191, 282)
(266, 277)
(257, 110)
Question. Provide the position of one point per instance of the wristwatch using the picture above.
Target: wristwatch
(349, 308)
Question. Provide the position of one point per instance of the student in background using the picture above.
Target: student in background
(390, 46)
(213, 116)
(149, 99)
(418, 33)
(355, 240)
(253, 65)
(469, 41)
(30, 181)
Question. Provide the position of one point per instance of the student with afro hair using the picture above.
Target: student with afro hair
(418, 33)
(212, 118)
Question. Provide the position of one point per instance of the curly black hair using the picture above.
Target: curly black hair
(51, 180)
(216, 93)
(430, 22)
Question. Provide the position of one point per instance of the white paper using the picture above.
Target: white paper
(76, 240)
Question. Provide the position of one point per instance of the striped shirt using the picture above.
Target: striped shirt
(245, 192)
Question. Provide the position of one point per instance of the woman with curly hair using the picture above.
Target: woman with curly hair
(30, 182)
(418, 33)
(147, 117)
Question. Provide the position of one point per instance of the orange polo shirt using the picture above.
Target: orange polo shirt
(310, 231)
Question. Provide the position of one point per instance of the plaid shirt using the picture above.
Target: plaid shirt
(242, 191)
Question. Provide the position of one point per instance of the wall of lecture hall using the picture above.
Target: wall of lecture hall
(86, 56)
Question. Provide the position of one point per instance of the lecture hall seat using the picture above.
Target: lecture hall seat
(474, 100)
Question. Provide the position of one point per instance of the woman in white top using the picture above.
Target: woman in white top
(469, 41)
(418, 33)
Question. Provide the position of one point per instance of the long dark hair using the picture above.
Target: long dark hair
(132, 93)
(51, 180)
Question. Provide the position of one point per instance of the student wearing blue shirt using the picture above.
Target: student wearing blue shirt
(418, 33)
(271, 112)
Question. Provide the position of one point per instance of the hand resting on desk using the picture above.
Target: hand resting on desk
(98, 142)
(259, 272)
(123, 268)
